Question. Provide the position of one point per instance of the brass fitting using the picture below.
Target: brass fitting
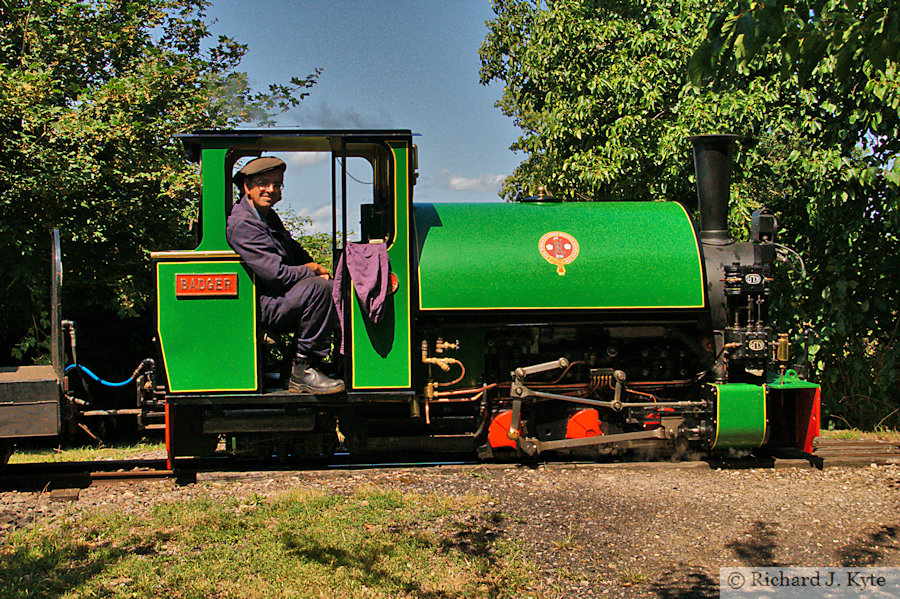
(431, 387)
(783, 348)
(441, 345)
(442, 363)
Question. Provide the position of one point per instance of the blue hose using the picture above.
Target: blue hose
(97, 378)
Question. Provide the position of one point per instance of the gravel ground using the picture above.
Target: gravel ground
(595, 530)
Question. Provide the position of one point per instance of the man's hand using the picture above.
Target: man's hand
(319, 270)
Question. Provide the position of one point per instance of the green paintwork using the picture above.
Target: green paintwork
(487, 256)
(790, 380)
(213, 200)
(208, 344)
(382, 353)
(740, 416)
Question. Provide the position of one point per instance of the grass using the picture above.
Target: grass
(567, 543)
(881, 434)
(372, 543)
(89, 453)
(632, 577)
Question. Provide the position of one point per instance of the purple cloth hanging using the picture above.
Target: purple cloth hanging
(367, 264)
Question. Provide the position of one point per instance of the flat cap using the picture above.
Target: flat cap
(256, 166)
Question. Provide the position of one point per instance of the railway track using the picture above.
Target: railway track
(79, 475)
(847, 452)
(74, 475)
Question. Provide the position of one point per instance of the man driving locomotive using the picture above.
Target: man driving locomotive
(294, 291)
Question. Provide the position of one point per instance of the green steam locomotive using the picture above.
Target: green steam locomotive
(511, 329)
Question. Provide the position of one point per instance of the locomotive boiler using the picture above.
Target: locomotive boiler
(512, 329)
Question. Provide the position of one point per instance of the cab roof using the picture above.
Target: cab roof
(284, 139)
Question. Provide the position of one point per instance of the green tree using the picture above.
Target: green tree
(317, 244)
(843, 59)
(846, 52)
(602, 93)
(91, 93)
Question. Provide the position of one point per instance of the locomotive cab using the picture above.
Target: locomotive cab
(210, 340)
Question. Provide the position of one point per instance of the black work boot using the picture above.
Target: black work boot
(306, 379)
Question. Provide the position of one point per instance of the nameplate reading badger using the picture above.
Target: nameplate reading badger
(206, 285)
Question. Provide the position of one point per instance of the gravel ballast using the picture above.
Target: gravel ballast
(592, 530)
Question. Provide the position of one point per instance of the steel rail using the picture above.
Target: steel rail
(62, 475)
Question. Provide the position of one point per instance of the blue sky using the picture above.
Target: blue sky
(399, 64)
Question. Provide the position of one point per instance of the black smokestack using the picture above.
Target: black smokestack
(712, 165)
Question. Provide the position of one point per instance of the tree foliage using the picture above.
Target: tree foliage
(843, 58)
(606, 94)
(845, 52)
(317, 244)
(600, 92)
(91, 93)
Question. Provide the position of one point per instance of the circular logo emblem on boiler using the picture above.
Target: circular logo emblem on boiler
(756, 345)
(559, 249)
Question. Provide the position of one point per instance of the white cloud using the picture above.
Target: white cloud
(488, 182)
(302, 160)
(319, 215)
(321, 212)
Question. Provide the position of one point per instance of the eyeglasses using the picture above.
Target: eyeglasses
(266, 184)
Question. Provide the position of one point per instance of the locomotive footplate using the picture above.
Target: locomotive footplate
(282, 397)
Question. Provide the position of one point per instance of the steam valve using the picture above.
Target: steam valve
(441, 345)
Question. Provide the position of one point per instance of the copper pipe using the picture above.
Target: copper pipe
(464, 391)
(552, 386)
(457, 379)
(456, 399)
(627, 390)
(650, 395)
(564, 372)
(661, 383)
